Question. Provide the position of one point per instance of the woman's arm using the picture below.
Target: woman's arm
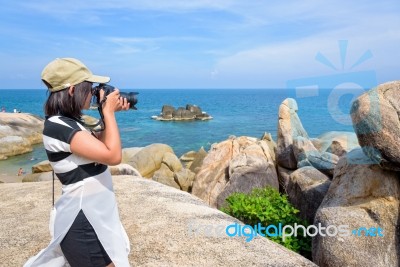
(108, 149)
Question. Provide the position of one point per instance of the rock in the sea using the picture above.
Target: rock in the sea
(235, 165)
(18, 132)
(375, 116)
(361, 199)
(166, 227)
(190, 112)
(289, 127)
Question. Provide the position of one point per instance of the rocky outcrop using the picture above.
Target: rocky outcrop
(159, 162)
(235, 165)
(191, 112)
(362, 199)
(18, 132)
(375, 116)
(166, 227)
(307, 155)
(289, 127)
(306, 189)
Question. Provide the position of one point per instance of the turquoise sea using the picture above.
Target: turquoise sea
(249, 112)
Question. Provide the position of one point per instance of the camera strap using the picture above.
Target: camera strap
(53, 188)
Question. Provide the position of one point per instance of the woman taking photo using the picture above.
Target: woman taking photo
(87, 228)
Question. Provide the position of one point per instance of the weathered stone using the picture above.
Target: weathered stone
(148, 159)
(301, 147)
(283, 178)
(172, 162)
(306, 189)
(360, 195)
(39, 177)
(18, 132)
(129, 153)
(338, 143)
(43, 166)
(180, 238)
(289, 127)
(165, 176)
(375, 116)
(324, 162)
(122, 169)
(191, 112)
(235, 165)
(184, 178)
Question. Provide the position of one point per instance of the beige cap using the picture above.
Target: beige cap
(61, 73)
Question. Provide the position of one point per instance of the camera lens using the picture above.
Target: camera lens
(131, 98)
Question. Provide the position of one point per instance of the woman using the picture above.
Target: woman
(87, 228)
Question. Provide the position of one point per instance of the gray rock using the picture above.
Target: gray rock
(283, 178)
(306, 189)
(375, 116)
(166, 227)
(360, 195)
(324, 162)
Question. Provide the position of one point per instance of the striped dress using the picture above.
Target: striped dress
(86, 186)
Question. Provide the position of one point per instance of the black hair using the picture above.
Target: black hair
(62, 103)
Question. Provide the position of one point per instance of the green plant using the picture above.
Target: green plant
(268, 207)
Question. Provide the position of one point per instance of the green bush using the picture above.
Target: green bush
(268, 207)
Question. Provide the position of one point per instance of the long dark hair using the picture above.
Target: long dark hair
(61, 103)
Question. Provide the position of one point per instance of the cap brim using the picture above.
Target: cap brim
(98, 79)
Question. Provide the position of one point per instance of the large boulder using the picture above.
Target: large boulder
(306, 189)
(363, 203)
(289, 127)
(375, 116)
(18, 132)
(166, 227)
(148, 159)
(235, 165)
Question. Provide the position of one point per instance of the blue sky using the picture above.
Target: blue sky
(198, 43)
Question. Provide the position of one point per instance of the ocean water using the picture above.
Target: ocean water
(239, 112)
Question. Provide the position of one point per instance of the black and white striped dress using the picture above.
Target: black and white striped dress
(86, 186)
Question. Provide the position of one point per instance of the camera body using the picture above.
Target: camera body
(131, 97)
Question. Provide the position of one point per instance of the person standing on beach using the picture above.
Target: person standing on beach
(87, 228)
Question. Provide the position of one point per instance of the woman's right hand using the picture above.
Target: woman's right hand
(114, 102)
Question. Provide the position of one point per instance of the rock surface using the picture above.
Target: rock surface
(360, 195)
(375, 116)
(162, 223)
(191, 112)
(289, 127)
(338, 143)
(235, 165)
(18, 132)
(306, 189)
